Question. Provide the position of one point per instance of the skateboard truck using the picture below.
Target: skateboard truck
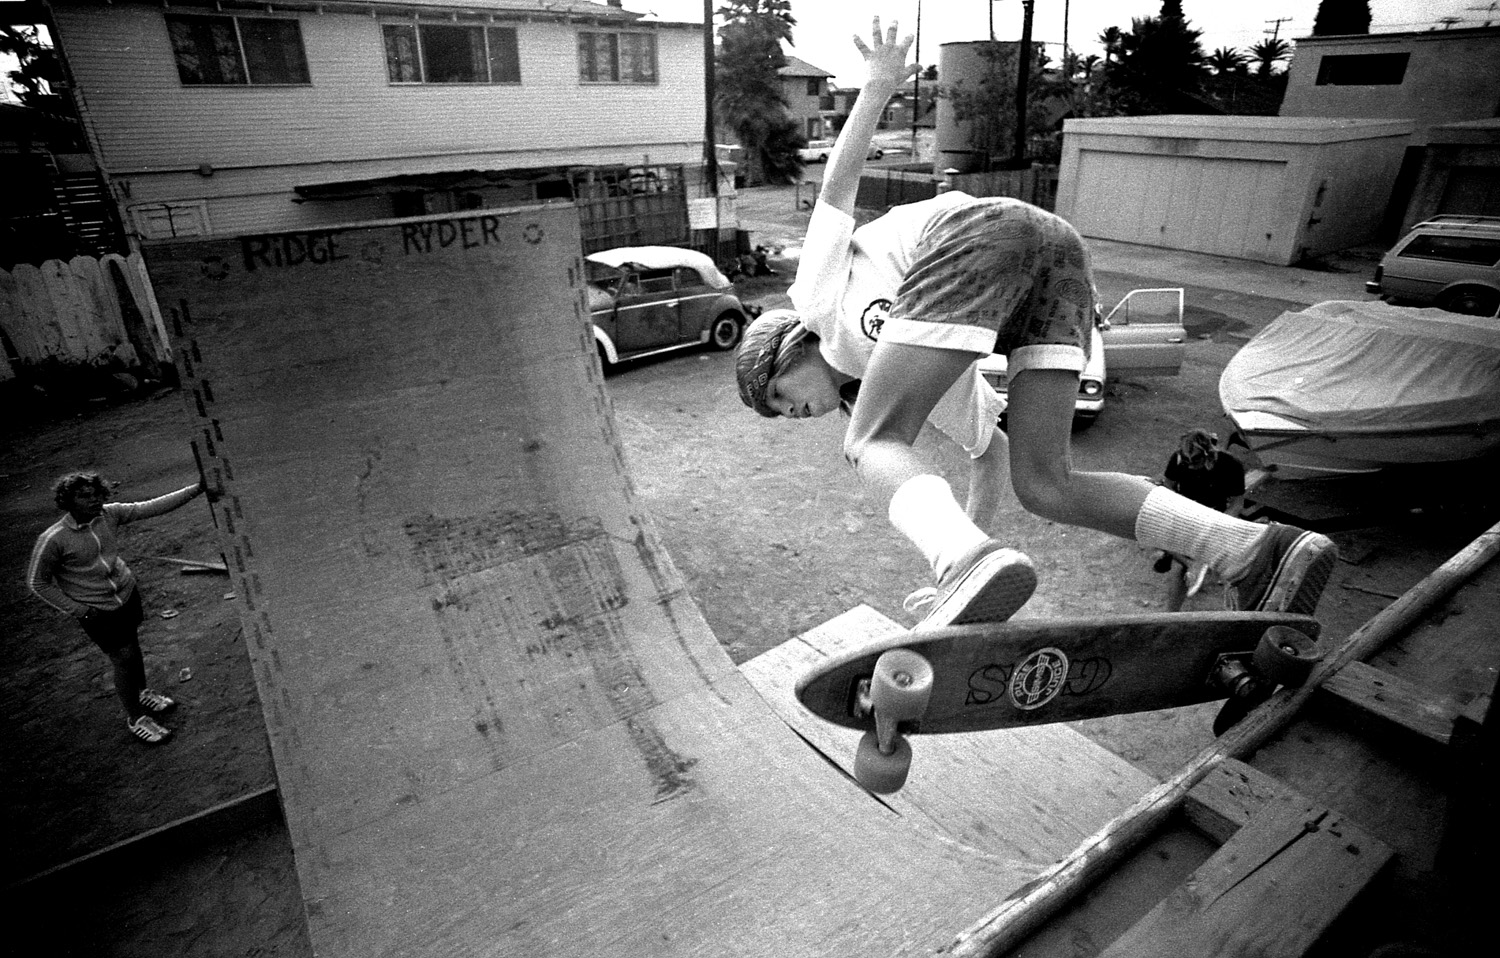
(896, 694)
(1283, 656)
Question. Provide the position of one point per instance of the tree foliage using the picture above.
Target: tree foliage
(39, 70)
(1340, 17)
(747, 85)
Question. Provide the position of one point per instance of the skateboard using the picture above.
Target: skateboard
(1002, 675)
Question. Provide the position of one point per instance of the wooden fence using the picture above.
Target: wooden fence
(85, 312)
(880, 189)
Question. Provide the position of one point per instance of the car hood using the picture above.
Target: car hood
(662, 257)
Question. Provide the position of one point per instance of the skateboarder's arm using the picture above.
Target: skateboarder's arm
(989, 477)
(885, 58)
(124, 512)
(41, 578)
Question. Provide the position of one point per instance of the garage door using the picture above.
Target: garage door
(1208, 205)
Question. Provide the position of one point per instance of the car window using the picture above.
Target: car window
(1454, 249)
(655, 280)
(688, 278)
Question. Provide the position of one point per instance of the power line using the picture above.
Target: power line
(1276, 32)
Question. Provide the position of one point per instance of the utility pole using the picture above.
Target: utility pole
(710, 135)
(1023, 82)
(1276, 33)
(916, 85)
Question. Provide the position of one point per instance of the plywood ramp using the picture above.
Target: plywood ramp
(500, 725)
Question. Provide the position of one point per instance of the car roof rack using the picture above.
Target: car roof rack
(1460, 220)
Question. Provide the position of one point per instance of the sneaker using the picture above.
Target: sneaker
(1288, 573)
(155, 702)
(987, 585)
(147, 729)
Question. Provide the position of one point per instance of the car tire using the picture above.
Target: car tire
(1470, 301)
(725, 332)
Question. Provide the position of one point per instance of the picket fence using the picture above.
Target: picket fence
(87, 311)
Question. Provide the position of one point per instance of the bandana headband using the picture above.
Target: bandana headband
(755, 363)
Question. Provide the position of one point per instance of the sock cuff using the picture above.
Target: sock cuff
(1154, 521)
(919, 493)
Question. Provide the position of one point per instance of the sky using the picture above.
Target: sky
(824, 27)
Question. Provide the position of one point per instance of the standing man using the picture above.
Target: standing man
(1209, 476)
(76, 568)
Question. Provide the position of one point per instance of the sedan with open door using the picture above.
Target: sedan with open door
(646, 300)
(1142, 336)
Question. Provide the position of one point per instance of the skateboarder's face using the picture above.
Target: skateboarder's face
(805, 390)
(87, 504)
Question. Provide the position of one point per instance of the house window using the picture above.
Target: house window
(442, 53)
(812, 87)
(1365, 69)
(213, 51)
(617, 57)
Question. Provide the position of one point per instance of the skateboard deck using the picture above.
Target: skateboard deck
(991, 676)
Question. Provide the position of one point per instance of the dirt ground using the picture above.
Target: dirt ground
(763, 519)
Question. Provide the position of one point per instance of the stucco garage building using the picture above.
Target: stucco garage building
(1273, 189)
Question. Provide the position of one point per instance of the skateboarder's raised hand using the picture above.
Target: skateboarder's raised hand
(885, 61)
(890, 320)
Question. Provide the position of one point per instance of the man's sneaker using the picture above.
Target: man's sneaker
(988, 584)
(155, 702)
(147, 729)
(1288, 573)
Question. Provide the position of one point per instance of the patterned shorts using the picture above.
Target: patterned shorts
(1005, 265)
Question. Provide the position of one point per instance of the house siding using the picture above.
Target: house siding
(255, 144)
(1451, 76)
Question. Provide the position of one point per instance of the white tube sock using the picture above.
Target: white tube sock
(1177, 524)
(925, 511)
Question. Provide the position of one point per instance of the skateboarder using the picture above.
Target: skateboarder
(888, 324)
(1208, 475)
(76, 568)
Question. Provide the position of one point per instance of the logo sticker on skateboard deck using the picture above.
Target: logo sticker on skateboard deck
(1038, 679)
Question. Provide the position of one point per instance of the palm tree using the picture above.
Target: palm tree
(1111, 39)
(1267, 53)
(747, 84)
(1226, 60)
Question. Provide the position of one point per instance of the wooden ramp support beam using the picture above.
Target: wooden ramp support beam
(1286, 869)
(1025, 911)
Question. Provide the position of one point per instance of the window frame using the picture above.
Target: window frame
(1449, 248)
(588, 58)
(243, 60)
(486, 30)
(1363, 69)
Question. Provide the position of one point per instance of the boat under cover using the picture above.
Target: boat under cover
(1358, 386)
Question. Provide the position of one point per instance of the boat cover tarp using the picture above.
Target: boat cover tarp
(1369, 367)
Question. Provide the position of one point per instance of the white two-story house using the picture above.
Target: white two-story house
(221, 116)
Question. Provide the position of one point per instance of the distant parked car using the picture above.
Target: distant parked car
(646, 300)
(817, 151)
(1142, 335)
(1452, 262)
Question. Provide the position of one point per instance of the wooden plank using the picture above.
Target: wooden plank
(1228, 797)
(499, 723)
(1378, 694)
(1021, 793)
(1271, 891)
(1016, 917)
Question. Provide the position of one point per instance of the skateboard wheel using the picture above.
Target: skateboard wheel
(901, 686)
(878, 771)
(1285, 656)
